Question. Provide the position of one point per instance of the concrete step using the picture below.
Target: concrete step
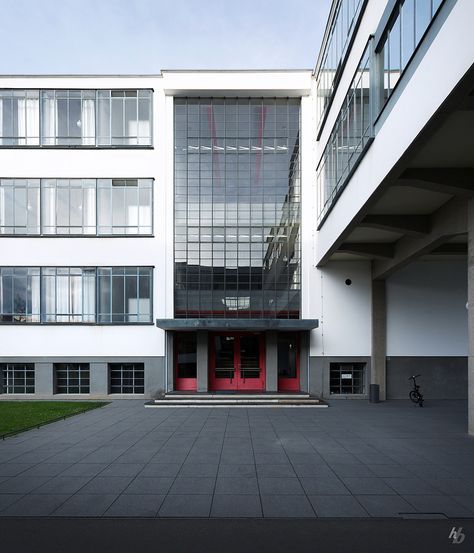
(236, 400)
(212, 396)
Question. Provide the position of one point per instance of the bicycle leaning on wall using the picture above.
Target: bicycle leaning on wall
(415, 395)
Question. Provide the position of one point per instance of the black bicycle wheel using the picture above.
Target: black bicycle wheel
(414, 396)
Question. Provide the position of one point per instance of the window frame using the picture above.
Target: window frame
(67, 368)
(121, 368)
(6, 368)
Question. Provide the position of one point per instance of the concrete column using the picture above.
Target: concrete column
(304, 362)
(378, 370)
(169, 341)
(202, 360)
(470, 317)
(99, 379)
(44, 380)
(271, 361)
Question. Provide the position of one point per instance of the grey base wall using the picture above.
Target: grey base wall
(155, 377)
(319, 376)
(441, 377)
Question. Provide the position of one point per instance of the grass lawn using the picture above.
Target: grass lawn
(17, 416)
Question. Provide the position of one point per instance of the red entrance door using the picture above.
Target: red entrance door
(288, 362)
(237, 362)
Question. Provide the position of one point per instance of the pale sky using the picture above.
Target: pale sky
(145, 36)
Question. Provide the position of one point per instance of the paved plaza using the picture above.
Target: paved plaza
(353, 459)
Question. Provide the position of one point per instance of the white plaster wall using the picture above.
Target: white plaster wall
(344, 311)
(426, 309)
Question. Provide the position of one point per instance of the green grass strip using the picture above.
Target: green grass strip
(18, 416)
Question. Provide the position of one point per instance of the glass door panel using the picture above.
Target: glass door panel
(288, 362)
(224, 362)
(185, 361)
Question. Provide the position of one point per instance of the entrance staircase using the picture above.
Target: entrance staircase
(237, 399)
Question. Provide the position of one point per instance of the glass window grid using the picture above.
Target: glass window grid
(409, 22)
(68, 295)
(38, 123)
(32, 218)
(349, 138)
(42, 284)
(137, 306)
(126, 378)
(18, 378)
(71, 378)
(19, 118)
(19, 206)
(347, 14)
(353, 385)
(22, 304)
(219, 179)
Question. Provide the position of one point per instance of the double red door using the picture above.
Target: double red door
(237, 361)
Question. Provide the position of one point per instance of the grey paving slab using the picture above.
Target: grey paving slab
(276, 470)
(84, 469)
(12, 469)
(191, 486)
(237, 470)
(199, 469)
(186, 506)
(236, 506)
(156, 485)
(6, 499)
(337, 506)
(35, 505)
(363, 485)
(22, 484)
(279, 486)
(88, 505)
(161, 469)
(323, 485)
(236, 485)
(385, 505)
(351, 470)
(63, 485)
(106, 485)
(287, 506)
(122, 469)
(438, 504)
(129, 505)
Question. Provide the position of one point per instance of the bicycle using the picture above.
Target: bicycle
(415, 395)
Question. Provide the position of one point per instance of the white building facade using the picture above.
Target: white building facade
(246, 230)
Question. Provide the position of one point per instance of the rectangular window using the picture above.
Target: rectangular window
(68, 206)
(125, 206)
(124, 117)
(72, 378)
(18, 378)
(347, 378)
(124, 295)
(19, 295)
(68, 295)
(19, 117)
(19, 206)
(126, 378)
(68, 117)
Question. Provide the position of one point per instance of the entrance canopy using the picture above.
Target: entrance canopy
(237, 324)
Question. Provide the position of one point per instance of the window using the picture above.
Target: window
(68, 206)
(124, 117)
(68, 295)
(75, 117)
(347, 378)
(72, 378)
(18, 378)
(19, 295)
(186, 354)
(346, 15)
(410, 22)
(348, 139)
(68, 117)
(19, 117)
(19, 206)
(124, 295)
(126, 378)
(125, 206)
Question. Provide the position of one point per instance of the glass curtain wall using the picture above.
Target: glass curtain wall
(19, 295)
(348, 139)
(19, 117)
(410, 21)
(237, 208)
(19, 206)
(346, 16)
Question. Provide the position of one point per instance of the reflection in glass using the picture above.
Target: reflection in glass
(19, 206)
(19, 295)
(237, 207)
